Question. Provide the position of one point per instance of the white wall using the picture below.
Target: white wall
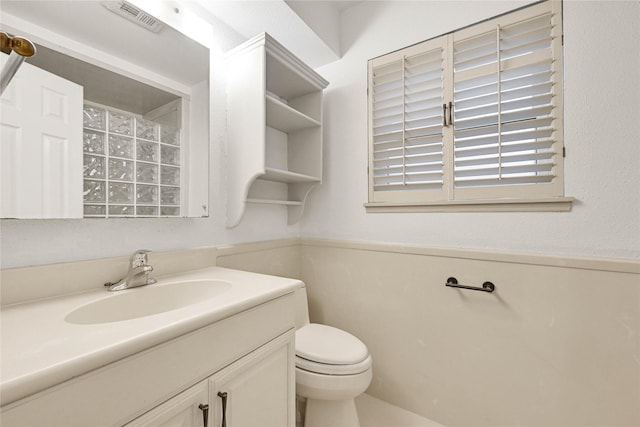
(35, 242)
(602, 100)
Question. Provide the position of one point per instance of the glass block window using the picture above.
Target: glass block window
(131, 165)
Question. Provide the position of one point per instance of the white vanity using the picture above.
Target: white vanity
(173, 353)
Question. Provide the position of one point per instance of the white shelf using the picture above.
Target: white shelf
(275, 202)
(261, 160)
(285, 118)
(279, 175)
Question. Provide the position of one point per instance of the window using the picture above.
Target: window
(131, 165)
(471, 119)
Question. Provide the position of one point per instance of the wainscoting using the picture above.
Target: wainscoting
(556, 344)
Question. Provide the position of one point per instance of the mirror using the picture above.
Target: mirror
(110, 117)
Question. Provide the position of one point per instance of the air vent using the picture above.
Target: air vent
(134, 14)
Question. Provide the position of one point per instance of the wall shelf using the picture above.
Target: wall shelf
(279, 175)
(275, 202)
(274, 122)
(285, 118)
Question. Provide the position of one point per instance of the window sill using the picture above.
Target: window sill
(556, 204)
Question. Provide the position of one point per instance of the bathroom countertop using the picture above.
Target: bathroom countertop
(40, 349)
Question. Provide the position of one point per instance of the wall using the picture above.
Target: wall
(277, 258)
(22, 284)
(604, 220)
(556, 344)
(25, 284)
(602, 100)
(36, 242)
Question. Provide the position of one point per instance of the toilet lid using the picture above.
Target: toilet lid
(328, 345)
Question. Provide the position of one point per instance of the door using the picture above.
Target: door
(258, 390)
(41, 146)
(187, 409)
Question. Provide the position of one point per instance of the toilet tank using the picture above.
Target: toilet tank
(302, 307)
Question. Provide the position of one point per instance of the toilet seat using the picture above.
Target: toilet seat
(322, 368)
(327, 350)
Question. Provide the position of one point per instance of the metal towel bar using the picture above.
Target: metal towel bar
(486, 286)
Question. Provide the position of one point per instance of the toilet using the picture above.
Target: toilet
(333, 367)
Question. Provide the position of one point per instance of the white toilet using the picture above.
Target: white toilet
(332, 368)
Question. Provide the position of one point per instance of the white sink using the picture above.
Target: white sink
(48, 341)
(146, 301)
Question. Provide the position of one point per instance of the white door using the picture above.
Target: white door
(257, 390)
(40, 146)
(188, 409)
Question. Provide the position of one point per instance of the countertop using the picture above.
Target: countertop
(39, 349)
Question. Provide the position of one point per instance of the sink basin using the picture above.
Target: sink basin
(146, 301)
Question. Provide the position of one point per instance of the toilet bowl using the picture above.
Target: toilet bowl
(332, 368)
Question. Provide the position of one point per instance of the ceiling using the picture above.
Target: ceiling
(59, 28)
(308, 28)
(90, 24)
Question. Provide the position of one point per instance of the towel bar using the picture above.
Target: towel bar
(486, 286)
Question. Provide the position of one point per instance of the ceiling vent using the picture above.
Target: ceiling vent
(134, 14)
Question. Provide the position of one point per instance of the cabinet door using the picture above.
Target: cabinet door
(183, 410)
(258, 390)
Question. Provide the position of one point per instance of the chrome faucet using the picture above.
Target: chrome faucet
(138, 274)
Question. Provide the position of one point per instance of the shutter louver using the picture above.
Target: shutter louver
(504, 100)
(406, 115)
(472, 118)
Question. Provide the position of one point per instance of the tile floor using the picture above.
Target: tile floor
(374, 412)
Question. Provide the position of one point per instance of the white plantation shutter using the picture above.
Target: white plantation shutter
(500, 134)
(506, 82)
(406, 124)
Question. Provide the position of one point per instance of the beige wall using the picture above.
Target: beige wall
(557, 343)
(277, 258)
(553, 346)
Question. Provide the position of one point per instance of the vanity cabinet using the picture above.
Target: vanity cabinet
(248, 355)
(257, 388)
(274, 128)
(253, 391)
(184, 410)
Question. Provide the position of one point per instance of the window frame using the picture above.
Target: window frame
(527, 197)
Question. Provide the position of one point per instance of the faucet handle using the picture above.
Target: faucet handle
(139, 258)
